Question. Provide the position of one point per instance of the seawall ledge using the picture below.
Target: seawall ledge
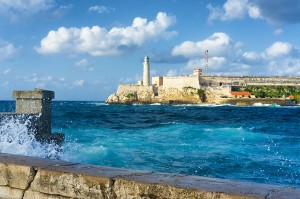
(29, 177)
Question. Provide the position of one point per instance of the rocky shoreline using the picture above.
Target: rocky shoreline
(134, 94)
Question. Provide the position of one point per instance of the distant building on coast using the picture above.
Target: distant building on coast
(185, 88)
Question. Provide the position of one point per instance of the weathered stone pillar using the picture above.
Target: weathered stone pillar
(39, 103)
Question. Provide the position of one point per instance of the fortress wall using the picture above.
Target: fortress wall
(157, 81)
(254, 80)
(181, 81)
(127, 88)
(29, 178)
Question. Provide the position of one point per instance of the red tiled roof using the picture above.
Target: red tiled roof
(291, 97)
(240, 93)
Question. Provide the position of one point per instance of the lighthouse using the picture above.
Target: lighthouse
(146, 74)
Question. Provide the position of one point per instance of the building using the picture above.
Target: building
(240, 94)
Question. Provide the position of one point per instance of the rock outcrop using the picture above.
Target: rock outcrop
(130, 94)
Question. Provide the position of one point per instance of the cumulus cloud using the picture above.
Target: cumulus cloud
(34, 77)
(7, 50)
(275, 11)
(216, 64)
(98, 41)
(217, 44)
(47, 81)
(100, 9)
(20, 9)
(279, 49)
(229, 58)
(233, 9)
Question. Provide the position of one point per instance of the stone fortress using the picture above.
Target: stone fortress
(187, 89)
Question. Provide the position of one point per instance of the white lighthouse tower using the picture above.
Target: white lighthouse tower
(146, 74)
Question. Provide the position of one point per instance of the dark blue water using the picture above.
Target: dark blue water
(259, 144)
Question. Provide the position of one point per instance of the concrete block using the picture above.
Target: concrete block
(35, 94)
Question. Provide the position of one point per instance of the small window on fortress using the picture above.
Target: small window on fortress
(155, 94)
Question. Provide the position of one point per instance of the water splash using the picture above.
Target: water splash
(17, 138)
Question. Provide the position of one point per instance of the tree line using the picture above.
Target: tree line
(271, 91)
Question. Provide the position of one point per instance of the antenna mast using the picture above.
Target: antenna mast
(206, 62)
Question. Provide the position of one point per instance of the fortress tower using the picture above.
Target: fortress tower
(146, 74)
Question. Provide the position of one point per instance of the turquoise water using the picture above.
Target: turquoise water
(259, 144)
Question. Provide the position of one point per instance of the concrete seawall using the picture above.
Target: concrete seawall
(35, 178)
(34, 109)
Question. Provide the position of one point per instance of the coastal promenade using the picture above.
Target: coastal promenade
(36, 178)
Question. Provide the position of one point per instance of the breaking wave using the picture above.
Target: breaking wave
(17, 138)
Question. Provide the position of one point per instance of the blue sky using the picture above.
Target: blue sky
(83, 49)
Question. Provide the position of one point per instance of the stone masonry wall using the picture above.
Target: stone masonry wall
(254, 80)
(181, 81)
(35, 178)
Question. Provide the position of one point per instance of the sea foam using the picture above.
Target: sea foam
(16, 138)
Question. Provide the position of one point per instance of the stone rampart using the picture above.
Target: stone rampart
(180, 82)
(133, 88)
(254, 80)
(35, 178)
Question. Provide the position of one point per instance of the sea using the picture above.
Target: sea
(255, 144)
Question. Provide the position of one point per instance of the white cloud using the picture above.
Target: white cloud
(254, 11)
(62, 79)
(7, 71)
(250, 55)
(214, 64)
(217, 44)
(233, 9)
(78, 82)
(19, 9)
(279, 49)
(7, 50)
(100, 9)
(34, 77)
(229, 58)
(97, 41)
(214, 14)
(278, 32)
(61, 11)
(274, 12)
(84, 65)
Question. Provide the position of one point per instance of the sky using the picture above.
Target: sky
(83, 49)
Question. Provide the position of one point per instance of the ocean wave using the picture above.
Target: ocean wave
(155, 104)
(16, 138)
